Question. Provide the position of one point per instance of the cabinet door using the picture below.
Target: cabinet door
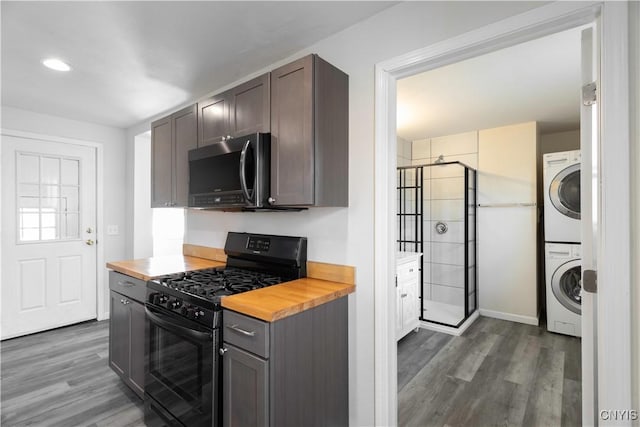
(185, 135)
(119, 334)
(213, 119)
(292, 149)
(137, 343)
(245, 389)
(250, 103)
(161, 162)
(399, 312)
(409, 304)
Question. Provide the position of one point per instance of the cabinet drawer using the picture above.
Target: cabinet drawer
(407, 271)
(128, 286)
(246, 332)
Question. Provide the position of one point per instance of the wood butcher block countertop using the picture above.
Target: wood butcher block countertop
(286, 299)
(149, 268)
(324, 282)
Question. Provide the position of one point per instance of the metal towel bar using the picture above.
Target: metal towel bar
(506, 205)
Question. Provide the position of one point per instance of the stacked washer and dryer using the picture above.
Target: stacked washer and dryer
(561, 174)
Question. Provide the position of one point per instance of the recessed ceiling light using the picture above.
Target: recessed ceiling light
(56, 64)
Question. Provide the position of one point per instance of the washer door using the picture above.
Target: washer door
(566, 285)
(564, 191)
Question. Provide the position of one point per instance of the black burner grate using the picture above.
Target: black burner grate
(212, 284)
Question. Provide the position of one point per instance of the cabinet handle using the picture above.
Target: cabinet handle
(223, 350)
(242, 331)
(403, 295)
(126, 283)
(271, 200)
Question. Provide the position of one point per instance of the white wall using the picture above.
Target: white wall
(507, 236)
(345, 235)
(560, 141)
(142, 212)
(113, 141)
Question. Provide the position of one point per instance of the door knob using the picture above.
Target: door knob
(89, 242)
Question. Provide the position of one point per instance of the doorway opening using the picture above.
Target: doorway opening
(611, 30)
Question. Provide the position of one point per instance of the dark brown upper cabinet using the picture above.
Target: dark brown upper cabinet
(309, 134)
(171, 139)
(239, 111)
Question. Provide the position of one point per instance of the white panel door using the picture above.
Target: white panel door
(48, 235)
(589, 196)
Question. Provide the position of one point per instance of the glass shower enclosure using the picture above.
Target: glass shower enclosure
(436, 216)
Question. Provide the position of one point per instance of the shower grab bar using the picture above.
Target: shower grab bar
(506, 205)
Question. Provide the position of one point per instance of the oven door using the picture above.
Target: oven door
(182, 373)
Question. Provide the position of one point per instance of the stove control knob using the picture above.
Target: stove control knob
(175, 304)
(198, 314)
(158, 299)
(191, 313)
(153, 298)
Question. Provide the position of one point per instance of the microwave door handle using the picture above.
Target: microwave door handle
(243, 166)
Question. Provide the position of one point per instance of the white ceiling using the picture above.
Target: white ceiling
(133, 60)
(535, 81)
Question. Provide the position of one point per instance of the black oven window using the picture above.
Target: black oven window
(177, 363)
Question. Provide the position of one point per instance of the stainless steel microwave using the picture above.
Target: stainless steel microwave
(231, 174)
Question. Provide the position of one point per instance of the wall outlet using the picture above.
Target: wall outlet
(112, 230)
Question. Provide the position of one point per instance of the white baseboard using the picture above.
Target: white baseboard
(529, 320)
(450, 329)
(103, 316)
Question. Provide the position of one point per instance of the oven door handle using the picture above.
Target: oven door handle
(157, 318)
(243, 170)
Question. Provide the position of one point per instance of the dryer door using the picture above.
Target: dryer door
(566, 285)
(564, 191)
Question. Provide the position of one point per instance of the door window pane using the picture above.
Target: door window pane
(48, 198)
(69, 172)
(69, 199)
(50, 170)
(28, 167)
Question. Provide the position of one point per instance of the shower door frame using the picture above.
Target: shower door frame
(420, 244)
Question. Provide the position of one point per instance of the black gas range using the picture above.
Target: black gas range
(184, 314)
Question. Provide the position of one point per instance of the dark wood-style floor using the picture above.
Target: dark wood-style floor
(62, 378)
(497, 373)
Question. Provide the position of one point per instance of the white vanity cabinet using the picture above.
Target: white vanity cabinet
(407, 292)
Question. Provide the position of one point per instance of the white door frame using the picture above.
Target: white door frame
(101, 312)
(614, 386)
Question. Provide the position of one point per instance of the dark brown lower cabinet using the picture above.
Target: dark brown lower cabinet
(127, 331)
(291, 372)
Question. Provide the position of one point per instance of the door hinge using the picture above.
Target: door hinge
(589, 96)
(590, 281)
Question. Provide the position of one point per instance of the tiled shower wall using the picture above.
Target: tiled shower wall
(444, 261)
(404, 152)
